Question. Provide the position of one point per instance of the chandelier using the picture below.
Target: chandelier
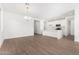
(27, 6)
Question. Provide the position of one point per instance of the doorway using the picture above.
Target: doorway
(37, 27)
(71, 27)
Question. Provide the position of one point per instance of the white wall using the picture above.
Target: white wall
(0, 20)
(1, 39)
(77, 24)
(16, 26)
(1, 26)
(51, 10)
(42, 24)
(72, 27)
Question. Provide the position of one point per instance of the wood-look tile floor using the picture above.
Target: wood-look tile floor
(39, 45)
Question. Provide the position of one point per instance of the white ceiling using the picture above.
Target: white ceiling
(40, 10)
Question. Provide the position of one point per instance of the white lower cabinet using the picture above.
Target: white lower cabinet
(55, 33)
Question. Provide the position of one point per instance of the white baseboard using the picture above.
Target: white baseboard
(18, 36)
(2, 39)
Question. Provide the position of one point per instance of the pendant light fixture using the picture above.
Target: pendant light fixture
(27, 6)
